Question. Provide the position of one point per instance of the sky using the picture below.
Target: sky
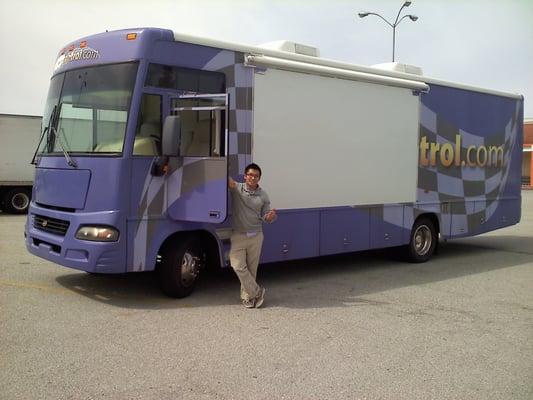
(484, 43)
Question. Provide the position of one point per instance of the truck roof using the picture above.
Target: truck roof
(257, 52)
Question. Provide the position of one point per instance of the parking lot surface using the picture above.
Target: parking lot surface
(358, 326)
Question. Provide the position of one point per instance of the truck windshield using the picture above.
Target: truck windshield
(87, 109)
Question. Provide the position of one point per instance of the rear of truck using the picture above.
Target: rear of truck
(19, 135)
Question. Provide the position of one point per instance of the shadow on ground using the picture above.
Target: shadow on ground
(314, 283)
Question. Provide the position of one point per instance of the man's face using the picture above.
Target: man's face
(252, 177)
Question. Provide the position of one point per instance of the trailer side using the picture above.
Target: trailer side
(19, 135)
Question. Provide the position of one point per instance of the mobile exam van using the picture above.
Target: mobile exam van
(142, 128)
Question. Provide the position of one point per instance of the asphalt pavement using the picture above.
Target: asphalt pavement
(359, 326)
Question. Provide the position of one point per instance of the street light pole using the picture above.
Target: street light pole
(394, 24)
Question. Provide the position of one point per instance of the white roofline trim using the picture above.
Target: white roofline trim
(296, 66)
(255, 50)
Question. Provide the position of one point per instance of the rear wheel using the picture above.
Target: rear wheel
(423, 241)
(181, 262)
(17, 200)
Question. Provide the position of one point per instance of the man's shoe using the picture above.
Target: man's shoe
(260, 298)
(249, 303)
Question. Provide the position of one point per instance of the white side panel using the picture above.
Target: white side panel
(19, 136)
(324, 142)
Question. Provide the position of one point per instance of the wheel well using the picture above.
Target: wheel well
(208, 241)
(433, 218)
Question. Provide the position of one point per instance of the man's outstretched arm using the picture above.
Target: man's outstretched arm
(231, 183)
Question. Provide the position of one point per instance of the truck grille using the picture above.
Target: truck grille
(52, 225)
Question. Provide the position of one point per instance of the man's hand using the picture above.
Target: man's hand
(231, 183)
(270, 216)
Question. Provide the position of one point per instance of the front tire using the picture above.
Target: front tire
(181, 262)
(423, 241)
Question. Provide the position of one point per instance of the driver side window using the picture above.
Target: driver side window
(148, 133)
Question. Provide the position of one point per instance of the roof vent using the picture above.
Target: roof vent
(397, 67)
(291, 47)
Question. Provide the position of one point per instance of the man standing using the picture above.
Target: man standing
(251, 207)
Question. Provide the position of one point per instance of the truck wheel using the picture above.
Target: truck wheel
(423, 241)
(181, 262)
(17, 200)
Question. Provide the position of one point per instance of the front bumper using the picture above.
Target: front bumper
(100, 257)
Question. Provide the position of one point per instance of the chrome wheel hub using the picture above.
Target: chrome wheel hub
(422, 240)
(190, 267)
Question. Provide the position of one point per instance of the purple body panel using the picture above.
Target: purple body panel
(74, 253)
(202, 189)
(470, 196)
(183, 54)
(113, 47)
(49, 182)
(201, 204)
(103, 194)
(106, 190)
(345, 229)
(294, 235)
(317, 232)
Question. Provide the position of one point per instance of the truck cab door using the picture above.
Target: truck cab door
(197, 188)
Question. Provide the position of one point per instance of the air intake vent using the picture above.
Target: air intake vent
(51, 225)
(398, 67)
(291, 47)
(65, 209)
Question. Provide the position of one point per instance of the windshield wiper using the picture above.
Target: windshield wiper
(38, 145)
(47, 129)
(69, 159)
(52, 133)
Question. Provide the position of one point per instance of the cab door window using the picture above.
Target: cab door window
(148, 132)
(203, 124)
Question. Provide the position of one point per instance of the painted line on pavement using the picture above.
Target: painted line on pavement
(35, 286)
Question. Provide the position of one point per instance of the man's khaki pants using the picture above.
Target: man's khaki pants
(244, 258)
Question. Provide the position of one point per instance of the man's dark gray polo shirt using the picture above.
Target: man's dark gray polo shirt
(249, 208)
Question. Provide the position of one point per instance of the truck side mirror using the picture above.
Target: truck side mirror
(171, 136)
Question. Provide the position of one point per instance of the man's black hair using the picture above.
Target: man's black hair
(252, 166)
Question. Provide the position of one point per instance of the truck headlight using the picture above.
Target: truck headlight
(97, 233)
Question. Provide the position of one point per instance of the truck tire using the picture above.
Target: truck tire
(17, 200)
(181, 262)
(423, 241)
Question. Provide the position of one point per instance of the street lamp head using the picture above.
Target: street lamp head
(394, 24)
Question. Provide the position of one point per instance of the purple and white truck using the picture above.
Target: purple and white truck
(142, 128)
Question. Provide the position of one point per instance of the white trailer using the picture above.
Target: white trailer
(19, 135)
